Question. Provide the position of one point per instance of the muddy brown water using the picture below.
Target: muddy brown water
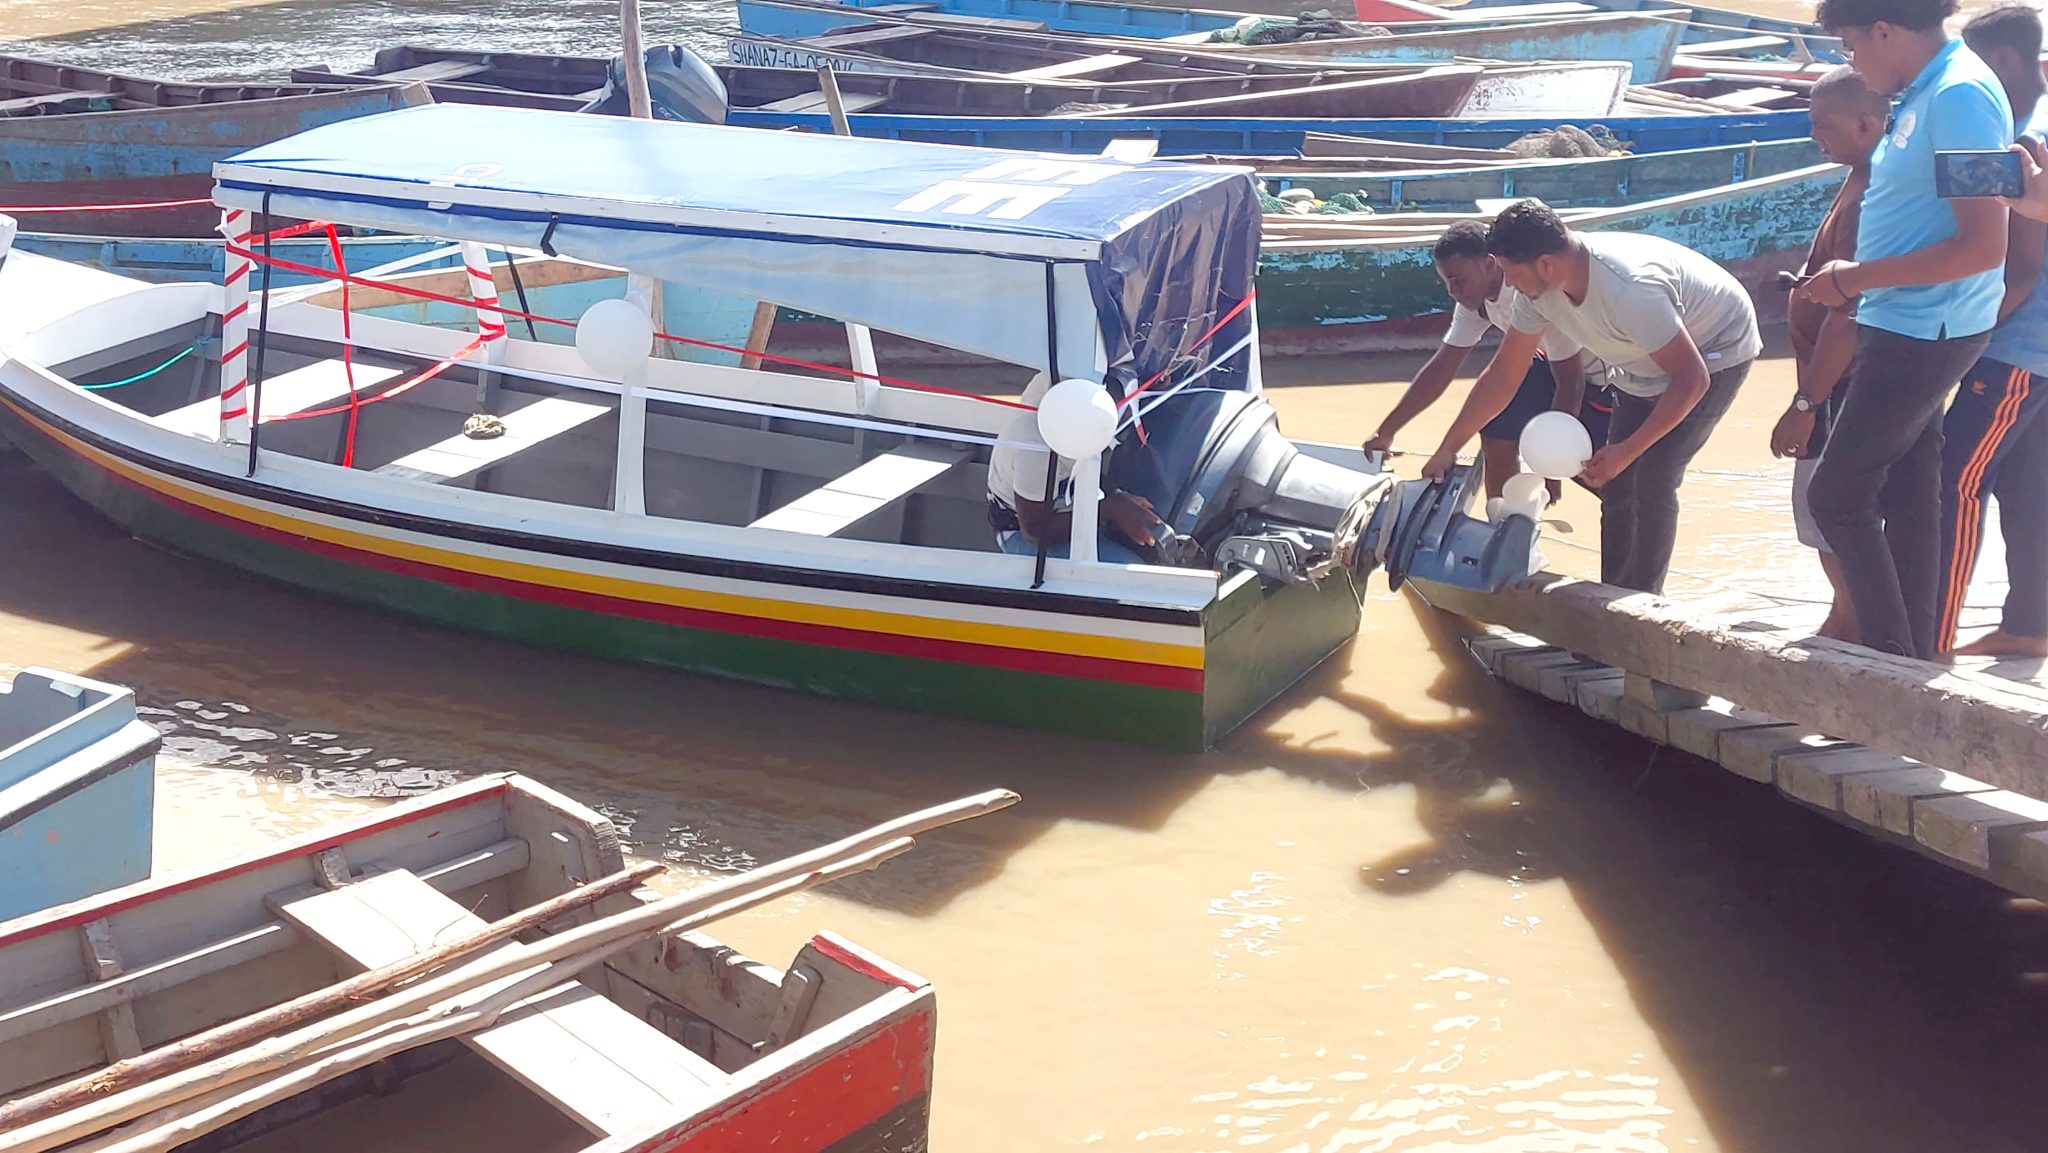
(1406, 909)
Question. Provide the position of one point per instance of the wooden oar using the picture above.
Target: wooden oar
(181, 1123)
(232, 1035)
(284, 1050)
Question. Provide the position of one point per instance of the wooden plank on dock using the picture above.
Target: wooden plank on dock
(1601, 699)
(1977, 725)
(1886, 800)
(1488, 648)
(1525, 669)
(1973, 827)
(1754, 753)
(1561, 682)
(1816, 776)
(1699, 731)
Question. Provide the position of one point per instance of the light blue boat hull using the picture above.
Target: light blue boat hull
(77, 790)
(1648, 46)
(715, 317)
(1249, 136)
(171, 260)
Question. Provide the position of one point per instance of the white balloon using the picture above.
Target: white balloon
(1077, 419)
(1556, 445)
(613, 337)
(1526, 488)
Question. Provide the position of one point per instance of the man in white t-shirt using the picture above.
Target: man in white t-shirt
(1481, 300)
(1678, 333)
(1022, 513)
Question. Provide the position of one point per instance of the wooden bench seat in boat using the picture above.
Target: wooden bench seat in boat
(868, 37)
(316, 384)
(459, 456)
(592, 1059)
(1067, 69)
(435, 71)
(815, 102)
(53, 102)
(838, 505)
(1736, 46)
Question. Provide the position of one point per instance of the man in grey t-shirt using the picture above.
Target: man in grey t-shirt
(1678, 333)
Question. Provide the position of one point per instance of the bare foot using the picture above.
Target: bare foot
(1999, 643)
(1841, 627)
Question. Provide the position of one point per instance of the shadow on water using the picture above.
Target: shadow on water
(1816, 992)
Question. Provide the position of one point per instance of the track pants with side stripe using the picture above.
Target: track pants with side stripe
(1995, 442)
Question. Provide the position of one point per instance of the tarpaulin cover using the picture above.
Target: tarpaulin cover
(943, 244)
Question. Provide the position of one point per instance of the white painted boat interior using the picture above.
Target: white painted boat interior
(662, 1033)
(767, 449)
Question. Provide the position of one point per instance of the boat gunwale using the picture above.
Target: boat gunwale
(1426, 233)
(1150, 602)
(69, 916)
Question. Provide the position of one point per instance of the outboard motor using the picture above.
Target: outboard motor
(1234, 492)
(680, 86)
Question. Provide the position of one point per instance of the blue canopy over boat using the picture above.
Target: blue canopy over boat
(962, 247)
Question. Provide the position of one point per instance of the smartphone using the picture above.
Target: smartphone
(1964, 174)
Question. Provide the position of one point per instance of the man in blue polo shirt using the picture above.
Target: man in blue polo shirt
(1929, 275)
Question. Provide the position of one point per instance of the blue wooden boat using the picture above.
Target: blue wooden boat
(1647, 41)
(1709, 27)
(1367, 283)
(1598, 182)
(75, 136)
(77, 782)
(1246, 136)
(172, 260)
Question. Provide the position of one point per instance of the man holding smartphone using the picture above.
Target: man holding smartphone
(1995, 439)
(1927, 271)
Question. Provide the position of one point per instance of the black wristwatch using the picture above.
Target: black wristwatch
(1801, 404)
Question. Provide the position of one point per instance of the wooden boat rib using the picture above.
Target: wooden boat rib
(75, 136)
(678, 1044)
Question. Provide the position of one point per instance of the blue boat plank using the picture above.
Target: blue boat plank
(1245, 136)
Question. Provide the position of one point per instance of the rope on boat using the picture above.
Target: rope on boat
(139, 377)
(794, 362)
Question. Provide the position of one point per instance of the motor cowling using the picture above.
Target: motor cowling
(1235, 492)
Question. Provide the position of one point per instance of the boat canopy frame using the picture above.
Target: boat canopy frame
(941, 244)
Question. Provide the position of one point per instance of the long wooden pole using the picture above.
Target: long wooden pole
(182, 1123)
(231, 1035)
(288, 1048)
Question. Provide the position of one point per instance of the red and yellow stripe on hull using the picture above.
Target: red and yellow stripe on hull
(1141, 680)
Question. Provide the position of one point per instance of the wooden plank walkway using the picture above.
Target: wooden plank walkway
(1992, 719)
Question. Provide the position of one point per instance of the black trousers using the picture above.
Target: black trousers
(1639, 507)
(1995, 440)
(1877, 492)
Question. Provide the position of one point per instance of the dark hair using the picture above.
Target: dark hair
(1526, 230)
(2014, 26)
(1845, 85)
(1466, 238)
(1915, 15)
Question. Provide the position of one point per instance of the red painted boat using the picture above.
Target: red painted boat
(676, 1044)
(75, 136)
